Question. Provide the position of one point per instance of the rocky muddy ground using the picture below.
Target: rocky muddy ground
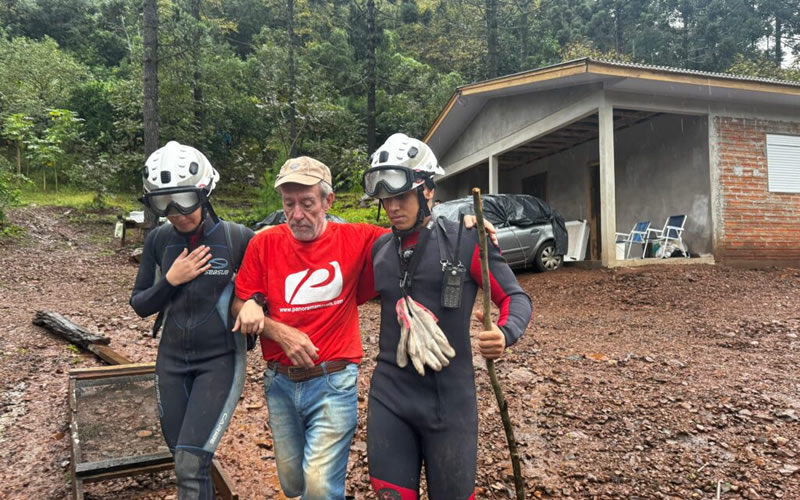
(656, 382)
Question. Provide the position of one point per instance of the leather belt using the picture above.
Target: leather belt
(300, 374)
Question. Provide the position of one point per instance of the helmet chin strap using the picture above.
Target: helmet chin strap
(207, 208)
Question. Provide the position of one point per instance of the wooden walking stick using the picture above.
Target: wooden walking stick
(519, 484)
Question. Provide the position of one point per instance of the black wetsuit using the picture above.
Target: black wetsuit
(433, 419)
(201, 364)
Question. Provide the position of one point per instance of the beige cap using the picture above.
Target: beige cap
(303, 170)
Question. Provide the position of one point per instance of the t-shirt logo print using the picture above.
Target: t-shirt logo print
(308, 287)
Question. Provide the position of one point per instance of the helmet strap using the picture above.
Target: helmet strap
(207, 208)
(423, 211)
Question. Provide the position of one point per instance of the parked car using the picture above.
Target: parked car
(529, 231)
(279, 217)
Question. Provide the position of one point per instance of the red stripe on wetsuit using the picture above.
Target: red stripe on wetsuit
(389, 491)
(499, 296)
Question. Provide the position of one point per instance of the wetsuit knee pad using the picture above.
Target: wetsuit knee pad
(192, 469)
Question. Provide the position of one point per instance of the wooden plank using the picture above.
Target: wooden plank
(83, 383)
(75, 449)
(132, 471)
(77, 489)
(222, 482)
(527, 77)
(109, 355)
(120, 464)
(113, 371)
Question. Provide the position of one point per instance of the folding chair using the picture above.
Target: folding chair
(638, 235)
(671, 234)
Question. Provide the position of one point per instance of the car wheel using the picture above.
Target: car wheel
(547, 259)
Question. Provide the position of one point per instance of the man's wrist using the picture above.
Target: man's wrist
(260, 301)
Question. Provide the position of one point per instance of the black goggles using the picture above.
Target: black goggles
(174, 201)
(389, 181)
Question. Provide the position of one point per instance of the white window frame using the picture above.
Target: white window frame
(783, 163)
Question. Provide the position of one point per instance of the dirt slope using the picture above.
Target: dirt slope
(659, 382)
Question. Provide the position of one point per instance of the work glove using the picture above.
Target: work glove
(421, 339)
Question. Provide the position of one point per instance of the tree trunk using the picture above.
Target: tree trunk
(491, 38)
(150, 104)
(778, 41)
(372, 83)
(197, 90)
(618, 39)
(686, 17)
(292, 83)
(19, 158)
(523, 33)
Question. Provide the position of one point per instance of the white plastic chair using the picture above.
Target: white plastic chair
(638, 236)
(670, 235)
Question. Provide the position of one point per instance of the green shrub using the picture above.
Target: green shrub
(9, 191)
(347, 206)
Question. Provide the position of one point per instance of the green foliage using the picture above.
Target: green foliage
(579, 49)
(93, 102)
(270, 197)
(36, 76)
(350, 168)
(43, 152)
(763, 67)
(97, 174)
(9, 191)
(224, 73)
(50, 149)
(71, 197)
(347, 206)
(17, 128)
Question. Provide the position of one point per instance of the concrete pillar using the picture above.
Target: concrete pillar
(716, 194)
(608, 203)
(494, 182)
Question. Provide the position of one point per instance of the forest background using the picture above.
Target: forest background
(253, 82)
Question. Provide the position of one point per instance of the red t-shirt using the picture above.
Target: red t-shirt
(311, 286)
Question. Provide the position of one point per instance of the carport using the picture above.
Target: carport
(612, 143)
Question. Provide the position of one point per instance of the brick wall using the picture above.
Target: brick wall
(755, 225)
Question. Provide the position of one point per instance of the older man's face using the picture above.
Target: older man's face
(305, 209)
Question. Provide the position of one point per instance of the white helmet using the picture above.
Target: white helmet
(176, 166)
(178, 178)
(401, 164)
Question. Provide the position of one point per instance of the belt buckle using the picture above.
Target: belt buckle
(296, 373)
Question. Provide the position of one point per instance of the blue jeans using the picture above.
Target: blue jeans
(312, 425)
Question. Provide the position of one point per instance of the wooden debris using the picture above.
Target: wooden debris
(60, 325)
